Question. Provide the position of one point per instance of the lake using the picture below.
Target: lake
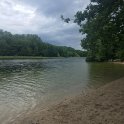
(25, 84)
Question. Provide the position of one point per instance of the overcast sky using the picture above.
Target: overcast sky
(42, 17)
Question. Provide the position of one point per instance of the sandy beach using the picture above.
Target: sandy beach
(104, 105)
(118, 62)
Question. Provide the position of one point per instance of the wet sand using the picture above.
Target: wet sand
(104, 105)
(118, 62)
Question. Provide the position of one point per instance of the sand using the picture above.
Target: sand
(104, 105)
(118, 62)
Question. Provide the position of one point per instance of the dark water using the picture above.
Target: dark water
(25, 84)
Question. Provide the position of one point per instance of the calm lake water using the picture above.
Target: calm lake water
(25, 84)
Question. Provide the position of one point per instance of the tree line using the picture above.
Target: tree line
(103, 24)
(32, 45)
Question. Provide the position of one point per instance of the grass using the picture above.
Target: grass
(24, 57)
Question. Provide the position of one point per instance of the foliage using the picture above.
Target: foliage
(103, 24)
(31, 45)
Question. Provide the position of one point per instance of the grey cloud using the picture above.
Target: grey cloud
(57, 7)
(51, 7)
(67, 37)
(42, 17)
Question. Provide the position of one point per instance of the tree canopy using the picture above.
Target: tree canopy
(32, 45)
(103, 24)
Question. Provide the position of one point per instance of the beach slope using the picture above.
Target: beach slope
(104, 105)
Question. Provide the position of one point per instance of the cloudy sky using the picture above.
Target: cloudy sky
(42, 17)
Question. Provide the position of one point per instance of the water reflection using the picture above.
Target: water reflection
(102, 73)
(25, 84)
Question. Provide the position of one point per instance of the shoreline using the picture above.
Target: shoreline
(32, 57)
(25, 57)
(104, 105)
(118, 62)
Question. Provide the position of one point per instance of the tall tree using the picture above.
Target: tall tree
(32, 45)
(103, 24)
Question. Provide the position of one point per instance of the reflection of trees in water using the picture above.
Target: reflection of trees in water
(19, 66)
(9, 68)
(102, 73)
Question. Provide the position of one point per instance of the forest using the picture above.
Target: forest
(32, 45)
(102, 23)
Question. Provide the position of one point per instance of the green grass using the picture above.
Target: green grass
(24, 57)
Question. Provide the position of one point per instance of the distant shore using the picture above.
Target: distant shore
(118, 62)
(26, 57)
(104, 105)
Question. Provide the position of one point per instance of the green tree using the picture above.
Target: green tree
(31, 45)
(103, 24)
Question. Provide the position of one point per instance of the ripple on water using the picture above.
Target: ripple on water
(25, 84)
